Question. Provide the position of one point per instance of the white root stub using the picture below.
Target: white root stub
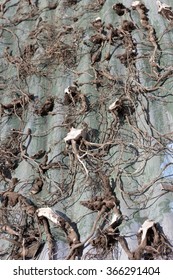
(49, 214)
(113, 105)
(162, 6)
(144, 228)
(74, 134)
(97, 19)
(135, 3)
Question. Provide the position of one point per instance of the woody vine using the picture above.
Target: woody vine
(98, 170)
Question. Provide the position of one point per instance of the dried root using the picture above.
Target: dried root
(120, 9)
(46, 108)
(71, 234)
